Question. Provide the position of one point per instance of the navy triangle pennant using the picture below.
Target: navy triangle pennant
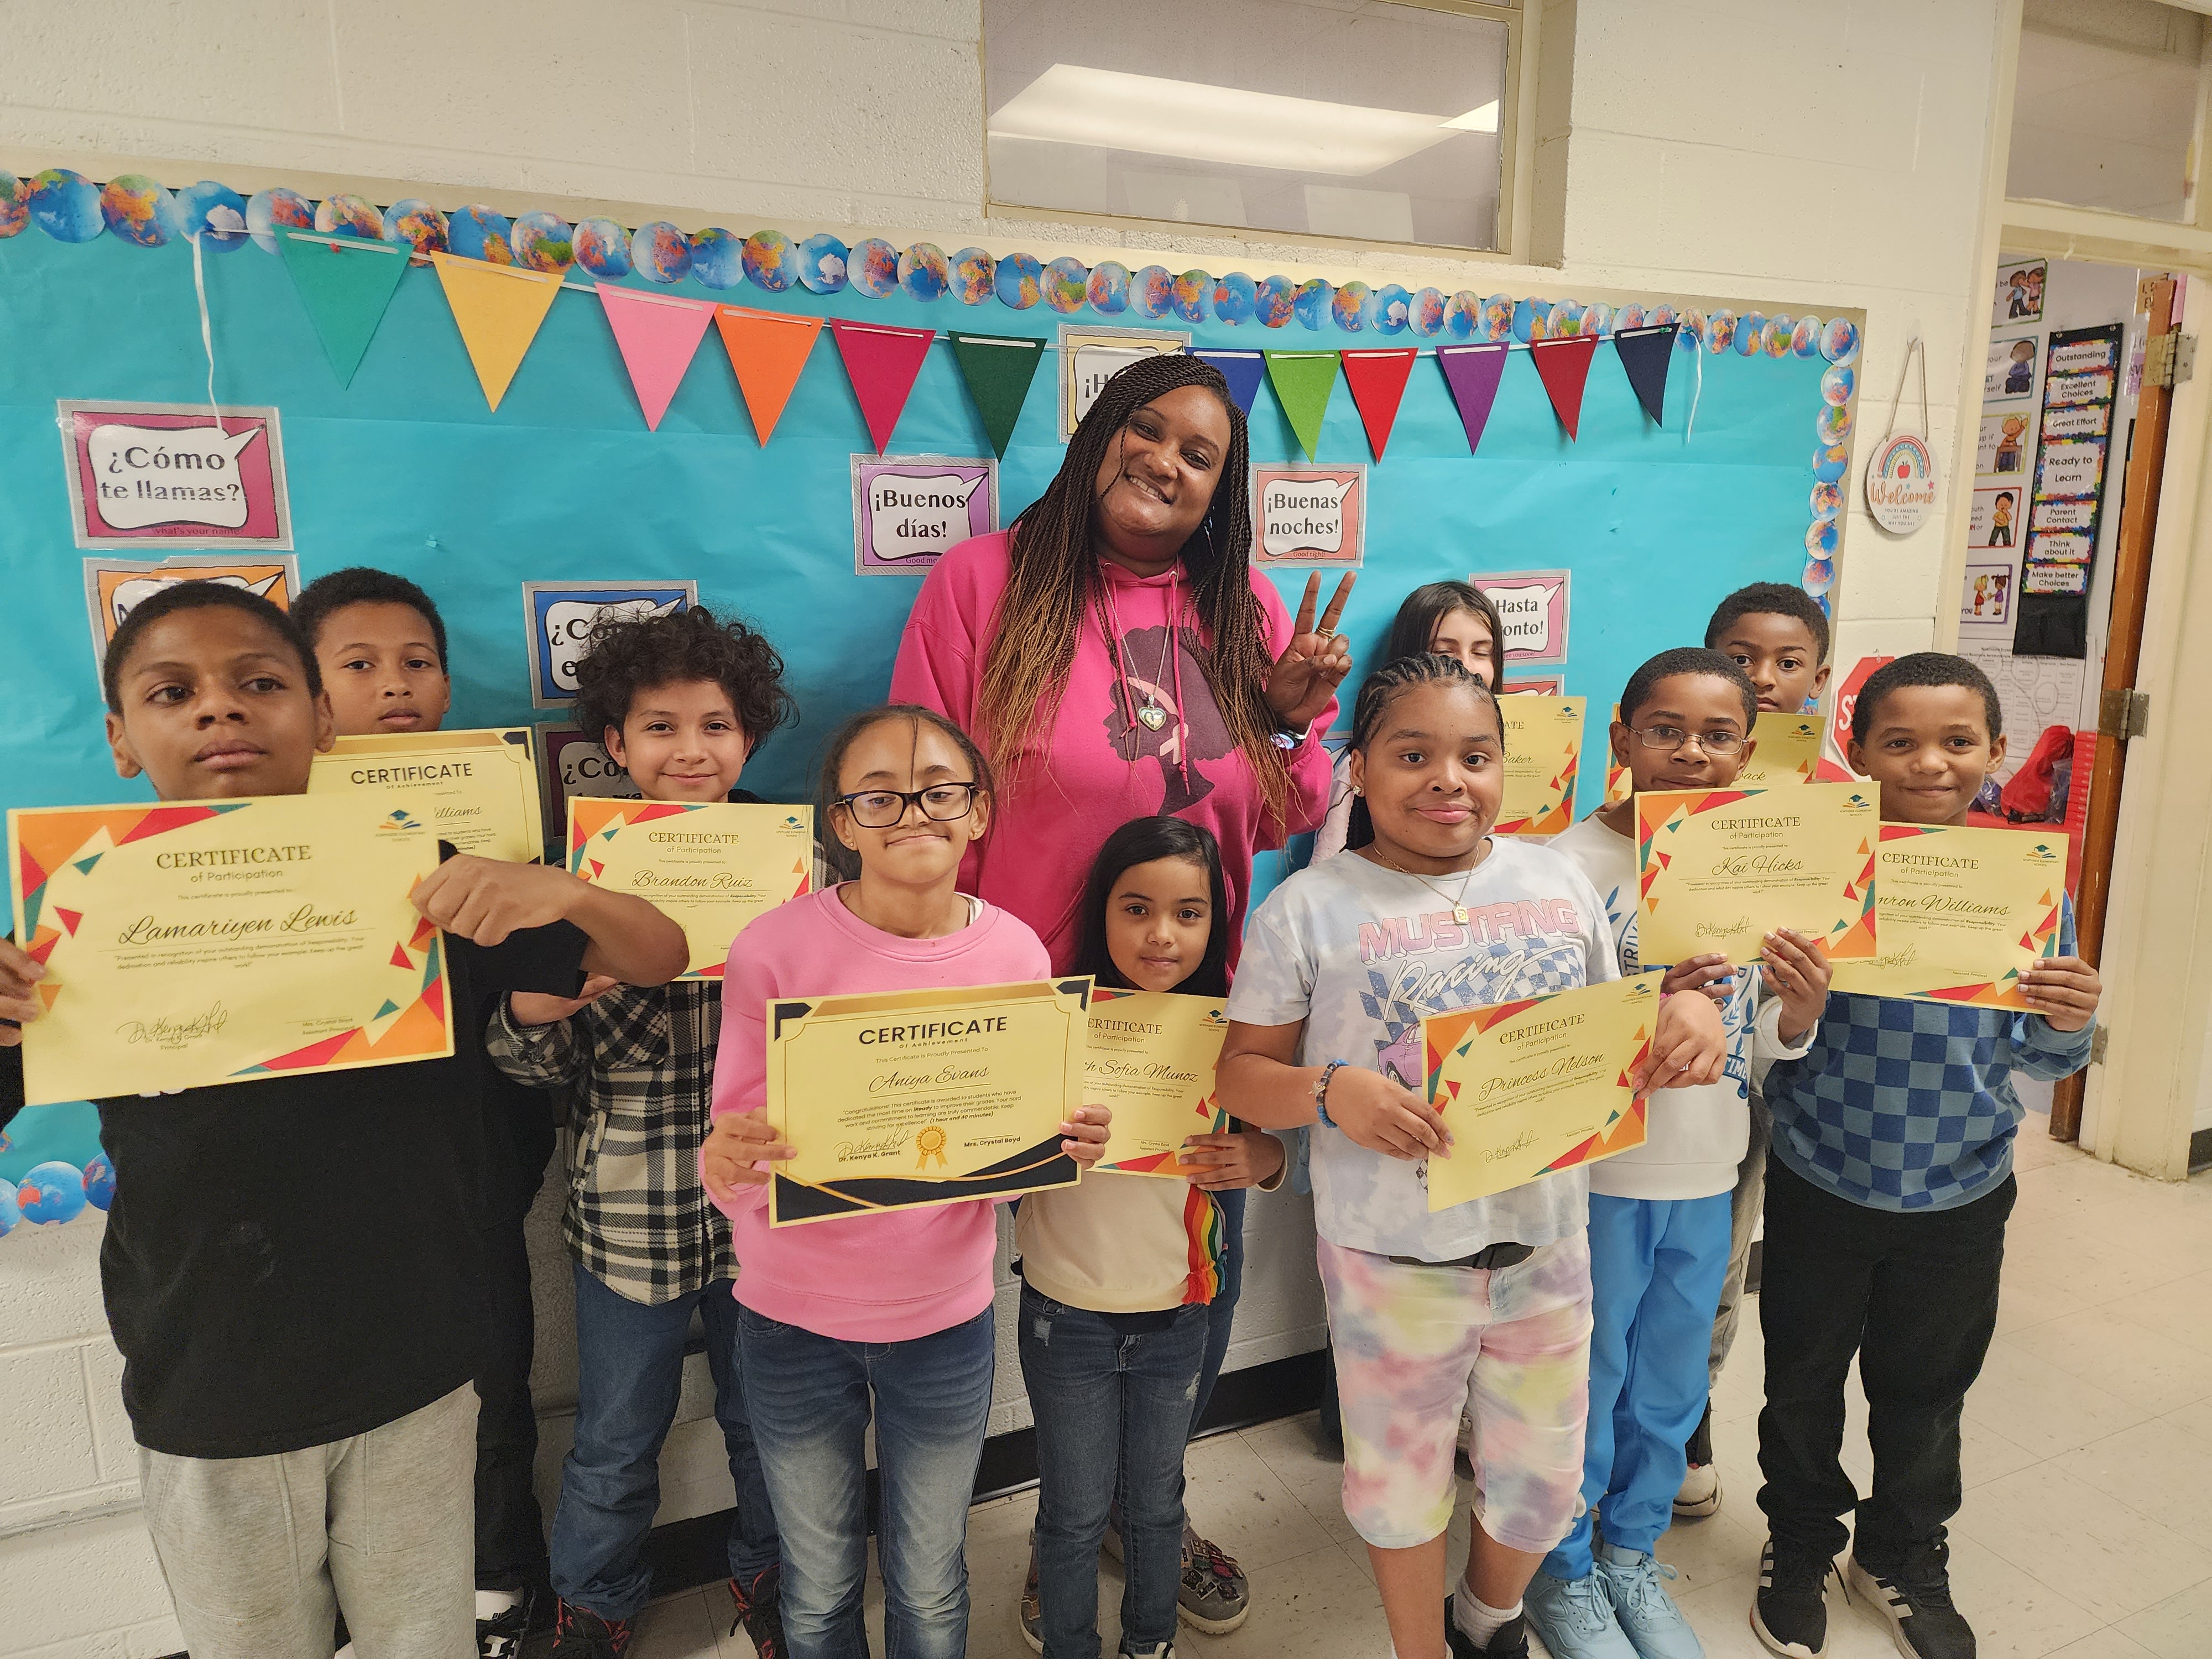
(1243, 370)
(1645, 355)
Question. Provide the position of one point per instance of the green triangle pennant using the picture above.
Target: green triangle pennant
(998, 368)
(1303, 381)
(345, 284)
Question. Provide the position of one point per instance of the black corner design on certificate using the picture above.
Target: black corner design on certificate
(1030, 1169)
(1077, 989)
(788, 1011)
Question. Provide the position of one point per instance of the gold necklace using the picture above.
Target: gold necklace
(1458, 905)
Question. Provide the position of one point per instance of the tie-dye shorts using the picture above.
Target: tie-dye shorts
(1415, 1346)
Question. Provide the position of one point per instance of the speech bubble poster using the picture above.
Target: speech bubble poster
(1532, 608)
(112, 586)
(571, 764)
(560, 617)
(1089, 357)
(1310, 515)
(909, 509)
(180, 474)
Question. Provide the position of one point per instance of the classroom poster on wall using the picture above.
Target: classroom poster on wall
(2080, 381)
(180, 474)
(1089, 357)
(559, 617)
(1310, 515)
(909, 509)
(1989, 594)
(1532, 609)
(2020, 291)
(1993, 518)
(2000, 446)
(2010, 375)
(113, 587)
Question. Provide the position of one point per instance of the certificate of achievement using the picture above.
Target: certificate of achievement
(480, 787)
(711, 866)
(897, 1099)
(1963, 912)
(1150, 1059)
(1540, 1085)
(1720, 869)
(1543, 748)
(199, 942)
(1784, 749)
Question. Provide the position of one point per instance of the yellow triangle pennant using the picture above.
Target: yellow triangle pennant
(498, 309)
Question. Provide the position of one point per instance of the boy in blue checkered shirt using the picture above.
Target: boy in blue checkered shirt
(1887, 1196)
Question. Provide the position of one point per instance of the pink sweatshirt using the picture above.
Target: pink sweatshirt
(1049, 829)
(885, 1278)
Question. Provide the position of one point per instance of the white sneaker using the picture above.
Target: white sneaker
(1700, 1494)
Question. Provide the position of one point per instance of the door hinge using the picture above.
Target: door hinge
(2098, 1043)
(2123, 713)
(2169, 359)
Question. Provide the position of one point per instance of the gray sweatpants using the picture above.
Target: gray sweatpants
(1744, 1206)
(261, 1552)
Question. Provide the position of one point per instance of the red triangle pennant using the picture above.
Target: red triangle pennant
(1377, 380)
(1564, 365)
(881, 361)
(657, 335)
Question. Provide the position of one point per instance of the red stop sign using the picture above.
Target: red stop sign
(1847, 699)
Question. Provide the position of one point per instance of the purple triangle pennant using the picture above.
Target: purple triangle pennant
(1243, 370)
(1472, 373)
(1645, 355)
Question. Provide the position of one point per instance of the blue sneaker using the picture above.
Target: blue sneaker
(1654, 1625)
(1574, 1617)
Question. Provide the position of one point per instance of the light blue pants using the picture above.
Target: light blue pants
(1655, 1272)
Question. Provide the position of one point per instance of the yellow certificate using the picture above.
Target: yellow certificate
(1719, 869)
(898, 1099)
(1150, 1059)
(1533, 1086)
(711, 866)
(481, 786)
(1963, 912)
(1784, 749)
(1543, 748)
(200, 942)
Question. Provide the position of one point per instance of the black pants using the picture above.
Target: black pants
(1915, 1297)
(510, 1531)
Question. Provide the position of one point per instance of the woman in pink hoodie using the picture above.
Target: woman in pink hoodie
(1116, 656)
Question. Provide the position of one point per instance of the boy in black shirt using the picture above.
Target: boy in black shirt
(290, 1263)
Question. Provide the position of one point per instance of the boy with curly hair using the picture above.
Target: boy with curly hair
(681, 702)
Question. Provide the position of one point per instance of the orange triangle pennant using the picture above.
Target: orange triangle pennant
(767, 349)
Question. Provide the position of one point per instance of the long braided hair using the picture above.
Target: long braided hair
(1054, 586)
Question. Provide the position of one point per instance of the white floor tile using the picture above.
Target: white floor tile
(2158, 1470)
(1236, 1499)
(2139, 1365)
(2100, 1554)
(2177, 1628)
(2044, 1410)
(2106, 1643)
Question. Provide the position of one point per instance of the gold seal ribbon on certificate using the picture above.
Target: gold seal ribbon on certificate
(930, 1143)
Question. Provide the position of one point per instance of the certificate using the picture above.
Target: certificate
(898, 1099)
(1543, 747)
(1151, 1060)
(711, 866)
(1963, 912)
(1540, 1085)
(480, 787)
(1720, 869)
(200, 942)
(1784, 749)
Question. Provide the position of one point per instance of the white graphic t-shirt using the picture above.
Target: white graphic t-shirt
(1360, 953)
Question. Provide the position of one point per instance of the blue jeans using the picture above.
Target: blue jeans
(1655, 1271)
(630, 1370)
(810, 1399)
(1113, 1413)
(1223, 1309)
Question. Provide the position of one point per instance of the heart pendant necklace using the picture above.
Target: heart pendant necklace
(1153, 716)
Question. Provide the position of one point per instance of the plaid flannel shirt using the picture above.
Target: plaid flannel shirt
(635, 1072)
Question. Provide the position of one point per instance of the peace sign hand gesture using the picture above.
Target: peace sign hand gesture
(1313, 664)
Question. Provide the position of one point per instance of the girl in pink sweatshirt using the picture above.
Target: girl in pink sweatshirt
(896, 1303)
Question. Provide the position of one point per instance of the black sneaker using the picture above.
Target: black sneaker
(760, 1611)
(1510, 1641)
(1915, 1596)
(501, 1631)
(1790, 1612)
(579, 1633)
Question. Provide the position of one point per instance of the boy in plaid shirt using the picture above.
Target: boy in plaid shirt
(683, 700)
(1887, 1196)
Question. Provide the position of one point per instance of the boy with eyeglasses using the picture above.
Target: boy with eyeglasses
(1659, 1213)
(681, 702)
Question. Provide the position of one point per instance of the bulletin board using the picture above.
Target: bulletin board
(407, 468)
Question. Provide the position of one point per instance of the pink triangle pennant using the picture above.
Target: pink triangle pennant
(657, 335)
(881, 361)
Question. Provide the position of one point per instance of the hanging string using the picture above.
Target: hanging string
(207, 332)
(1912, 351)
(1697, 391)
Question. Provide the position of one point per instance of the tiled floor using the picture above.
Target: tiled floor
(2086, 1531)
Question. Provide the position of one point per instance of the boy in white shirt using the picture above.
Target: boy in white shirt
(1659, 1213)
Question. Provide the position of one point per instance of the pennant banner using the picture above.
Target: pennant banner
(1243, 370)
(1377, 380)
(1645, 355)
(1303, 381)
(346, 283)
(1564, 366)
(881, 361)
(1472, 373)
(657, 335)
(998, 368)
(498, 309)
(766, 349)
